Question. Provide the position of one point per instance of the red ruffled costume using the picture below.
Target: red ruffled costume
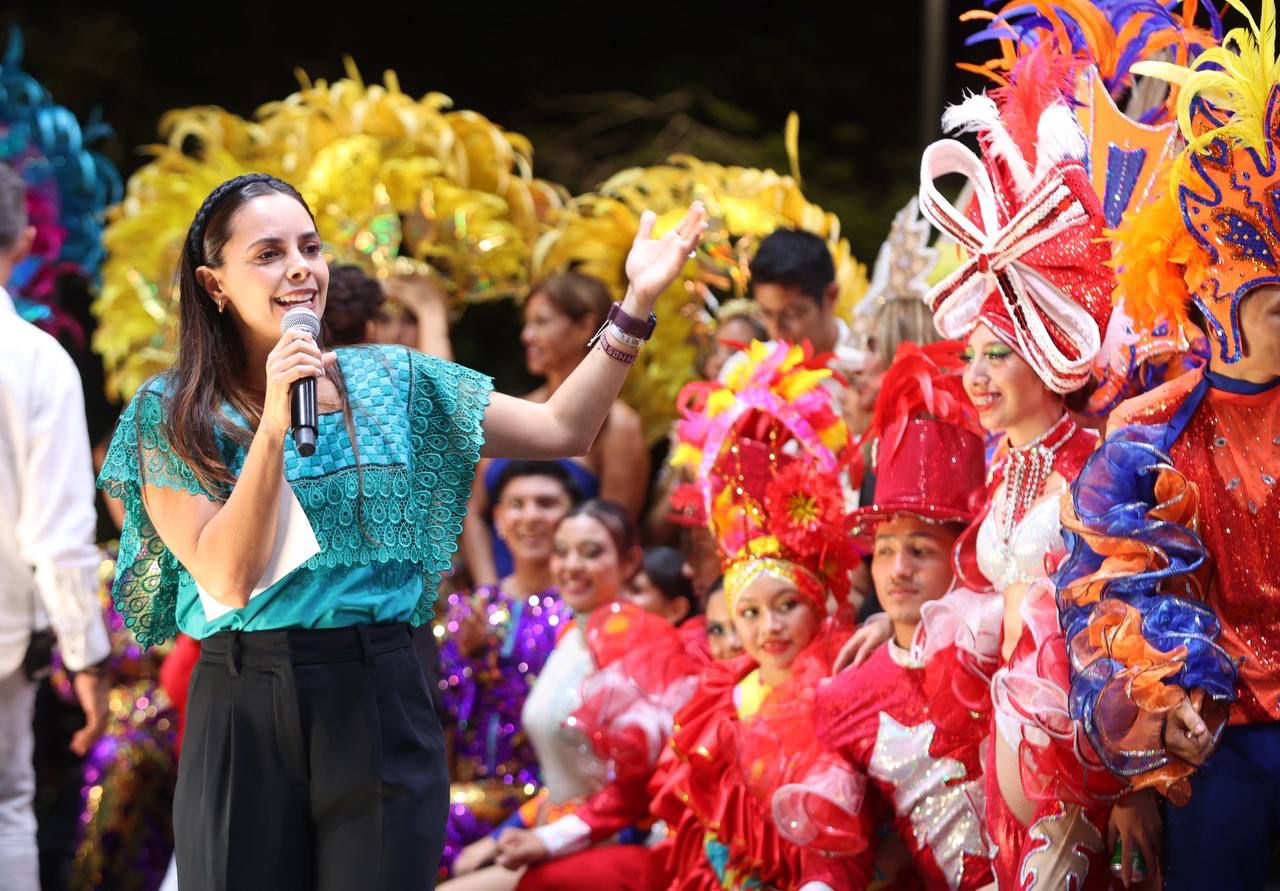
(1228, 449)
(715, 787)
(769, 447)
(912, 722)
(1056, 767)
(647, 672)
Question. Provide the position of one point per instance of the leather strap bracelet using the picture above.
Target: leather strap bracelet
(626, 323)
(630, 325)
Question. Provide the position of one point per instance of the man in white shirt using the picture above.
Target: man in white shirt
(793, 281)
(48, 560)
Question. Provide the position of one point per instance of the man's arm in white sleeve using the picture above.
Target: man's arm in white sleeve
(58, 518)
(567, 835)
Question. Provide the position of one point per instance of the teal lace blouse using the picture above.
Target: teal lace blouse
(386, 530)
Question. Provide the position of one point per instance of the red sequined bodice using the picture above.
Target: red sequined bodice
(1231, 451)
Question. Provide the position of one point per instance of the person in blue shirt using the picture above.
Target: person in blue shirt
(312, 756)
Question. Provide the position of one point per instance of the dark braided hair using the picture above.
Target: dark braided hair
(210, 368)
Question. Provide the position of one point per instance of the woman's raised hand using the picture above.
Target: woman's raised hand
(653, 264)
(294, 357)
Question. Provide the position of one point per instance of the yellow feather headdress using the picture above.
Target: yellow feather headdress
(395, 182)
(1223, 188)
(745, 204)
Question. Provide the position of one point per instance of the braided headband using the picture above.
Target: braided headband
(195, 235)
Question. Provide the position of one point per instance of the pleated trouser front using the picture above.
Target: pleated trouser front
(312, 759)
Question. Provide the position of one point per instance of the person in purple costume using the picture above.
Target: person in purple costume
(498, 637)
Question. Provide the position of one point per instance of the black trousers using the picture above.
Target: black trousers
(312, 760)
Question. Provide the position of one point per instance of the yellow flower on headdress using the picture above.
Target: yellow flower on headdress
(395, 182)
(763, 546)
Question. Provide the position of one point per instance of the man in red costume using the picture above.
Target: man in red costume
(912, 718)
(1171, 597)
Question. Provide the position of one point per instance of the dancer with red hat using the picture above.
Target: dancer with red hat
(1032, 299)
(912, 718)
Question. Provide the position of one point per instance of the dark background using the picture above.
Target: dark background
(596, 87)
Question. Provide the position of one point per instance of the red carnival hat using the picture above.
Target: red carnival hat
(938, 474)
(930, 456)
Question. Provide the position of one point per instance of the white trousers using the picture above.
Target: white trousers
(19, 862)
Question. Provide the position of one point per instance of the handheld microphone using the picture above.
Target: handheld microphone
(302, 393)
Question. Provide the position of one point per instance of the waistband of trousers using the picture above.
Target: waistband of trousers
(305, 646)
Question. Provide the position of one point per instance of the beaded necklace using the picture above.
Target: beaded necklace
(1026, 471)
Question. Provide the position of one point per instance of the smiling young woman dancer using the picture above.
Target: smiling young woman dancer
(1032, 301)
(313, 757)
(498, 639)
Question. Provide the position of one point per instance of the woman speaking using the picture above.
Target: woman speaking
(312, 756)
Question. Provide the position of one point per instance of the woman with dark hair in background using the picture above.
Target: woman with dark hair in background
(498, 638)
(608, 727)
(560, 316)
(313, 757)
(362, 309)
(662, 586)
(597, 548)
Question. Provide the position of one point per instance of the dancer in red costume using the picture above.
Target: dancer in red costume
(1163, 651)
(770, 493)
(913, 717)
(1032, 298)
(627, 718)
(769, 458)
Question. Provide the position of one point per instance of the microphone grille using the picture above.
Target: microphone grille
(302, 319)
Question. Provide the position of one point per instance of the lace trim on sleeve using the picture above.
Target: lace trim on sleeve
(148, 576)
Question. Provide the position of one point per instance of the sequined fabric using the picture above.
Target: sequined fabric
(483, 694)
(1052, 758)
(1062, 848)
(723, 767)
(1231, 450)
(1022, 559)
(879, 717)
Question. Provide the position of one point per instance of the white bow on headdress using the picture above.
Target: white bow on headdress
(1049, 210)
